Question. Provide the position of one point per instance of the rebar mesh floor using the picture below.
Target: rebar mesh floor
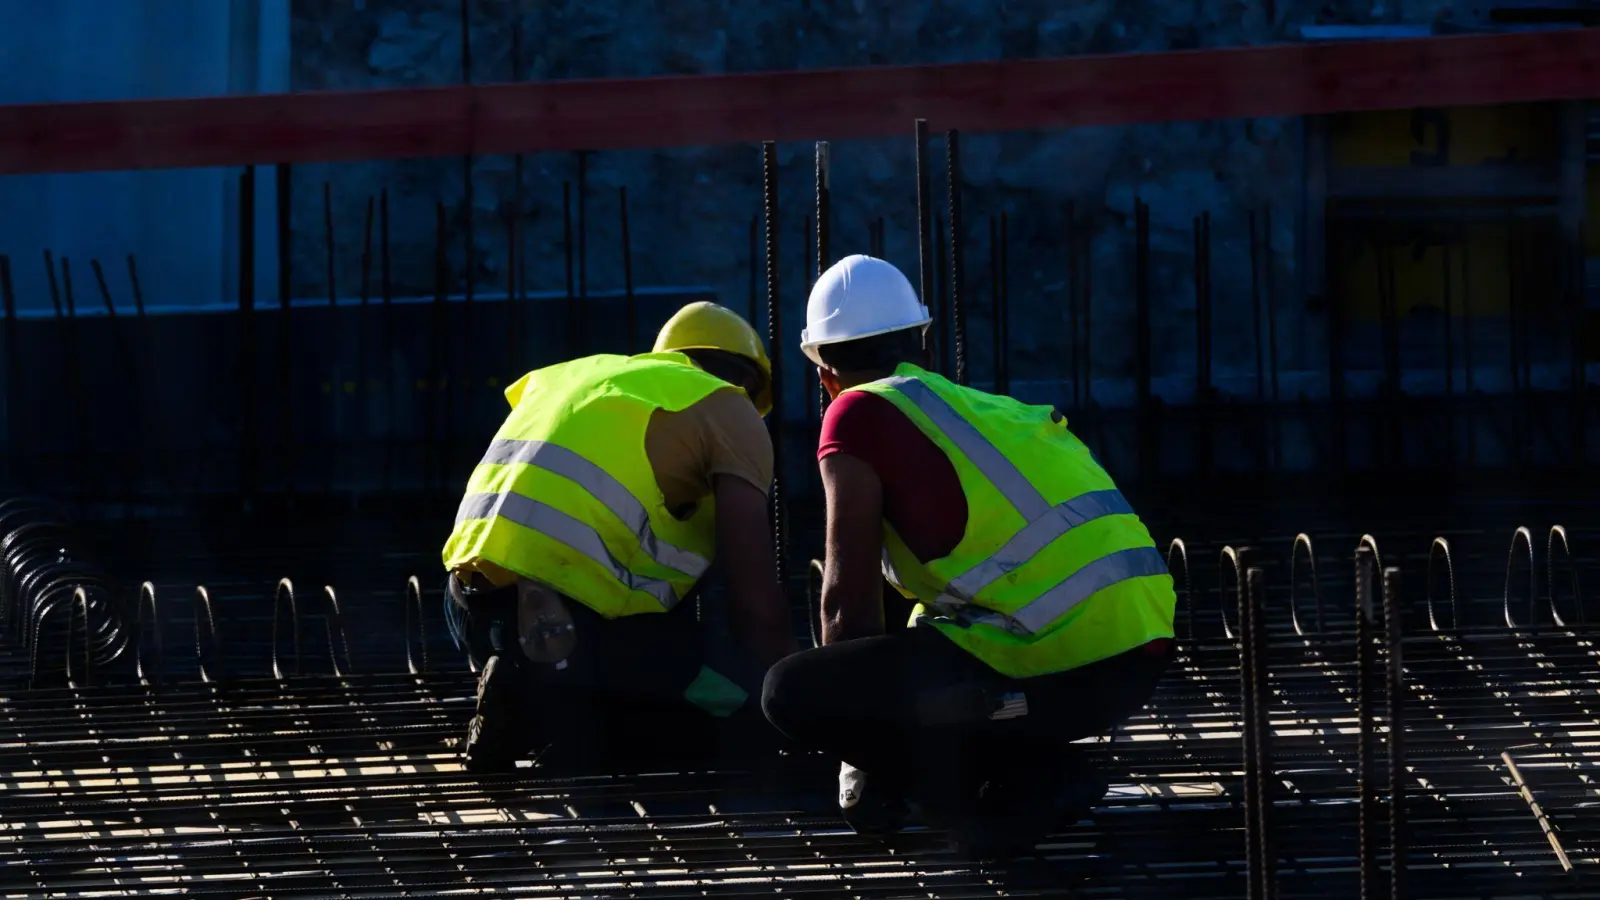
(350, 786)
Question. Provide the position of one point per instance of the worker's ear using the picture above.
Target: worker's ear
(830, 381)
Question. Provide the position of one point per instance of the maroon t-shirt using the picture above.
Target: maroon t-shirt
(922, 497)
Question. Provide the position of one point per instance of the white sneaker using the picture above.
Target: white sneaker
(874, 816)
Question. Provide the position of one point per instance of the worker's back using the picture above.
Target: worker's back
(570, 493)
(1055, 570)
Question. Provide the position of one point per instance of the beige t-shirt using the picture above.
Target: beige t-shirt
(720, 435)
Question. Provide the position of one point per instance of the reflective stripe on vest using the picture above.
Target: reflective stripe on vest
(1045, 525)
(612, 494)
(558, 526)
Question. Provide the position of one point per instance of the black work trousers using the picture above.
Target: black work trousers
(912, 709)
(619, 698)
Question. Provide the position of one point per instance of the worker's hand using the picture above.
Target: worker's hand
(852, 599)
(760, 616)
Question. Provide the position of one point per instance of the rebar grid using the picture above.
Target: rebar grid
(349, 785)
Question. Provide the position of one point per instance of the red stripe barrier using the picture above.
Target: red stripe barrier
(838, 104)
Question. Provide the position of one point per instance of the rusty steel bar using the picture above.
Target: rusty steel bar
(1393, 614)
(925, 239)
(627, 272)
(958, 314)
(288, 447)
(1366, 664)
(775, 339)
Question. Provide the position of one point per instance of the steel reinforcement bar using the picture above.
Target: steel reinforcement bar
(1417, 724)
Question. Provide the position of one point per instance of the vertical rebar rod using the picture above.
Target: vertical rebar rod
(471, 364)
(1514, 345)
(941, 323)
(1074, 290)
(147, 354)
(1336, 386)
(363, 364)
(514, 262)
(824, 198)
(769, 208)
(925, 231)
(1367, 825)
(513, 320)
(75, 378)
(994, 300)
(55, 285)
(1447, 301)
(958, 315)
(824, 208)
(249, 460)
(755, 272)
(1247, 715)
(1142, 348)
(1256, 633)
(807, 240)
(566, 250)
(1202, 321)
(433, 462)
(1003, 306)
(1579, 374)
(1468, 375)
(1270, 281)
(386, 291)
(628, 298)
(1256, 310)
(334, 329)
(13, 375)
(288, 448)
(1086, 235)
(582, 190)
(1393, 613)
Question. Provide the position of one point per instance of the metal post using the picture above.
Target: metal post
(925, 233)
(287, 446)
(627, 273)
(1204, 393)
(566, 250)
(1003, 308)
(386, 288)
(13, 374)
(824, 192)
(1148, 463)
(957, 257)
(249, 461)
(583, 252)
(769, 184)
(1367, 824)
(1247, 714)
(1393, 614)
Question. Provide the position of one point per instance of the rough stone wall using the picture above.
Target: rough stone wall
(691, 209)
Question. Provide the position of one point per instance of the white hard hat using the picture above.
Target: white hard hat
(859, 296)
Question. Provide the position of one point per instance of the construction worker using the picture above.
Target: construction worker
(601, 501)
(1044, 609)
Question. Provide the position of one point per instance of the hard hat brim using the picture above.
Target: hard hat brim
(809, 348)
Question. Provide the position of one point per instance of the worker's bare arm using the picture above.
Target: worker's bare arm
(760, 617)
(852, 600)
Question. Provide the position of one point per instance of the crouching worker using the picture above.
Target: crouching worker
(1045, 610)
(599, 505)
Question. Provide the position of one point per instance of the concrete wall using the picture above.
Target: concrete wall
(181, 225)
(691, 208)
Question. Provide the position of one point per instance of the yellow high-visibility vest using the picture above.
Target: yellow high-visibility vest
(566, 495)
(1054, 571)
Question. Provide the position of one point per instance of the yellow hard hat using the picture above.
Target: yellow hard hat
(708, 326)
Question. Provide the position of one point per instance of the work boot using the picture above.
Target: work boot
(492, 737)
(873, 814)
(1013, 813)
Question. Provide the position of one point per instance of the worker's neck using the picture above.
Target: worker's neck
(848, 380)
